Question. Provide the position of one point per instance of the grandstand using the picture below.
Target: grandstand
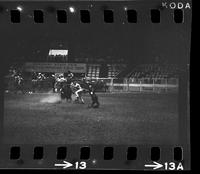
(115, 69)
(114, 74)
(143, 77)
(104, 71)
(156, 71)
(117, 77)
(93, 70)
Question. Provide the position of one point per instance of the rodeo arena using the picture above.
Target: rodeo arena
(78, 101)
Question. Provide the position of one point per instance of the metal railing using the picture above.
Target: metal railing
(141, 84)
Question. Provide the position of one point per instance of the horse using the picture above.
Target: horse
(66, 91)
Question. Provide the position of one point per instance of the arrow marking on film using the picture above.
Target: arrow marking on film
(155, 165)
(64, 165)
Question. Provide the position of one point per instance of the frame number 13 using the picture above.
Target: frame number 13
(80, 165)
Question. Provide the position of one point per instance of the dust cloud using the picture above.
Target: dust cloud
(52, 98)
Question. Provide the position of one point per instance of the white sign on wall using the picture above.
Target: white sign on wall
(58, 52)
(55, 67)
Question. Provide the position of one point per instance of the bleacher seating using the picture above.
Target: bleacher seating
(141, 71)
(154, 71)
(114, 70)
(93, 70)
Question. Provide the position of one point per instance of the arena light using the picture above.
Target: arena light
(20, 8)
(72, 9)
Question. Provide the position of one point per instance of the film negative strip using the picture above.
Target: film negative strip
(95, 85)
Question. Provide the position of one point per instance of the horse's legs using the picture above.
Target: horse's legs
(80, 97)
(82, 100)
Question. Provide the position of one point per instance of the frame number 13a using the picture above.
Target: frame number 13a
(173, 166)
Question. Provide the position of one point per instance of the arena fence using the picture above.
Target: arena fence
(141, 84)
(105, 85)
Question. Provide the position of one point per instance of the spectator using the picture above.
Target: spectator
(70, 75)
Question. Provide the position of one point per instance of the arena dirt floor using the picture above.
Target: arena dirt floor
(123, 118)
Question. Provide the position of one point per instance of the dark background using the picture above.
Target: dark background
(142, 42)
